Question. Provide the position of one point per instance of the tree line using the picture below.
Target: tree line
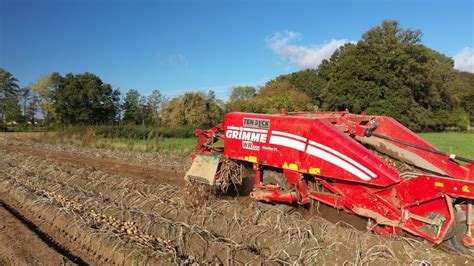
(388, 72)
(84, 99)
(16, 104)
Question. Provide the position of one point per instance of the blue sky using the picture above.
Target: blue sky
(176, 46)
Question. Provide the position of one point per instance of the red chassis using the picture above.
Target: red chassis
(346, 161)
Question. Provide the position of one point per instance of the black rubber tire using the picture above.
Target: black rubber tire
(275, 178)
(456, 242)
(270, 177)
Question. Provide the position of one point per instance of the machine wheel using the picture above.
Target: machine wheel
(270, 177)
(456, 242)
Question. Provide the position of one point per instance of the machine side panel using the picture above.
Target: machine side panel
(329, 147)
(307, 145)
(390, 127)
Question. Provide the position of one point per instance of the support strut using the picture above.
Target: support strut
(467, 237)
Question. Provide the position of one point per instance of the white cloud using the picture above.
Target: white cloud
(177, 59)
(172, 59)
(464, 60)
(282, 43)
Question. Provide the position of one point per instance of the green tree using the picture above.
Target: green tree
(308, 82)
(215, 108)
(32, 108)
(389, 72)
(466, 94)
(46, 88)
(8, 84)
(154, 102)
(144, 113)
(131, 107)
(242, 93)
(30, 103)
(85, 99)
(280, 94)
(140, 109)
(24, 95)
(9, 89)
(192, 109)
(242, 98)
(11, 110)
(276, 95)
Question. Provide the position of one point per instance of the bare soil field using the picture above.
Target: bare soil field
(67, 205)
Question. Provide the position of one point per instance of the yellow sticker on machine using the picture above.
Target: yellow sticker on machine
(252, 159)
(290, 166)
(293, 166)
(314, 170)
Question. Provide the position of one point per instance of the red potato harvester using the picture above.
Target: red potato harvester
(371, 166)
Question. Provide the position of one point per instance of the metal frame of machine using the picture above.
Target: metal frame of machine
(345, 160)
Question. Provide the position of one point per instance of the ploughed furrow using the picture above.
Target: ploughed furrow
(117, 219)
(111, 239)
(135, 164)
(169, 214)
(34, 245)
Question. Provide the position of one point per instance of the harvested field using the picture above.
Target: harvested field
(89, 206)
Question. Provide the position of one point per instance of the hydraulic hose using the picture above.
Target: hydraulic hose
(369, 131)
(452, 156)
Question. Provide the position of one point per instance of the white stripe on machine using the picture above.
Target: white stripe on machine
(287, 142)
(313, 148)
(336, 161)
(280, 133)
(342, 156)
